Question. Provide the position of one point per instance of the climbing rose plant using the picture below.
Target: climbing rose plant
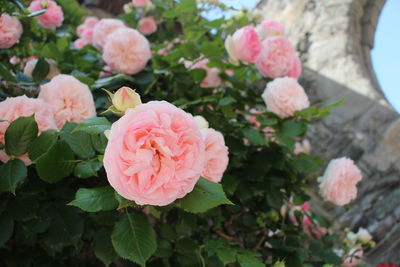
(163, 138)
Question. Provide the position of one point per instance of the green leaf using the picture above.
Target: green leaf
(226, 101)
(62, 43)
(7, 228)
(249, 261)
(93, 125)
(6, 74)
(133, 238)
(198, 75)
(254, 136)
(20, 134)
(41, 70)
(95, 199)
(103, 248)
(205, 195)
(79, 142)
(227, 255)
(302, 164)
(123, 202)
(42, 144)
(12, 174)
(292, 128)
(56, 164)
(187, 6)
(87, 169)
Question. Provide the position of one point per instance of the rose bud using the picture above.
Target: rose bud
(125, 98)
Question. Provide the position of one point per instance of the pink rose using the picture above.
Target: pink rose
(212, 78)
(295, 72)
(302, 147)
(147, 25)
(217, 159)
(52, 18)
(155, 154)
(103, 29)
(15, 60)
(80, 43)
(339, 182)
(90, 22)
(10, 31)
(106, 72)
(21, 106)
(305, 207)
(285, 96)
(243, 45)
(278, 58)
(31, 64)
(140, 3)
(127, 51)
(269, 28)
(354, 258)
(69, 99)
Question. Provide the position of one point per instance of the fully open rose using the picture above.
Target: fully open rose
(10, 31)
(52, 18)
(155, 154)
(21, 106)
(69, 99)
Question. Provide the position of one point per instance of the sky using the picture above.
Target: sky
(386, 52)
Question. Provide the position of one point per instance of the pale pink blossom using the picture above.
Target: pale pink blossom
(212, 78)
(106, 71)
(103, 29)
(277, 58)
(21, 106)
(52, 18)
(302, 147)
(31, 64)
(70, 99)
(147, 25)
(90, 21)
(80, 43)
(155, 154)
(243, 45)
(285, 96)
(15, 60)
(269, 28)
(295, 72)
(216, 160)
(127, 51)
(140, 3)
(354, 258)
(10, 31)
(339, 182)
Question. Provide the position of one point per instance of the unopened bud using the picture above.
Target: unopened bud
(125, 98)
(201, 122)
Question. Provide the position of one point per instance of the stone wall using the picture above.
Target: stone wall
(334, 39)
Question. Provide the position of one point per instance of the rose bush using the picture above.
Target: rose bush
(204, 163)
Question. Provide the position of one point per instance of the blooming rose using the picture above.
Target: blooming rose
(103, 29)
(140, 3)
(302, 147)
(212, 78)
(201, 122)
(69, 99)
(80, 43)
(52, 18)
(15, 60)
(127, 51)
(295, 72)
(339, 182)
(277, 58)
(10, 31)
(269, 28)
(243, 45)
(147, 25)
(285, 96)
(21, 106)
(155, 154)
(363, 235)
(354, 258)
(31, 64)
(90, 22)
(217, 159)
